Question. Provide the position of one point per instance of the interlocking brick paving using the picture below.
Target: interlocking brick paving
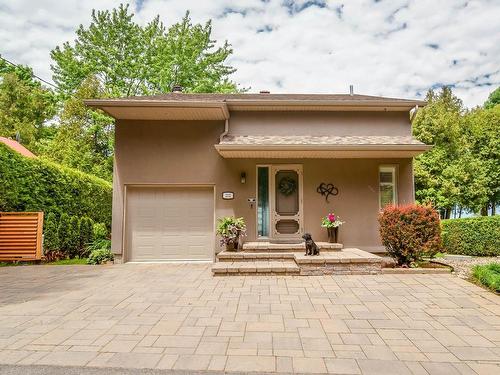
(180, 317)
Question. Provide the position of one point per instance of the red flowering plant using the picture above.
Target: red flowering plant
(331, 221)
(410, 232)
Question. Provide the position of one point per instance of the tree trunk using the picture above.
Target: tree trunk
(484, 211)
(493, 208)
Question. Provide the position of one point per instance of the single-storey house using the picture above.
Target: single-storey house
(280, 161)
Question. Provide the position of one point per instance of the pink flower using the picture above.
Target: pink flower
(331, 217)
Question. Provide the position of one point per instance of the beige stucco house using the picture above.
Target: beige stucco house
(184, 160)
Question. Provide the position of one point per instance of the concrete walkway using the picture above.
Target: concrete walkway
(173, 316)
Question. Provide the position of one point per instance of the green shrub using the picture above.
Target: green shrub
(100, 256)
(74, 237)
(99, 231)
(86, 234)
(488, 275)
(63, 234)
(477, 236)
(410, 232)
(34, 184)
(50, 239)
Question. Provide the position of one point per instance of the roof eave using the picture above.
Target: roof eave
(294, 147)
(241, 105)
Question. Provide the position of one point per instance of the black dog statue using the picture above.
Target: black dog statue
(311, 247)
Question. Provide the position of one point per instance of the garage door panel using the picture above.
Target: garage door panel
(169, 223)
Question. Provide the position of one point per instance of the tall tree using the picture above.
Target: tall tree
(132, 60)
(493, 99)
(84, 138)
(483, 134)
(25, 105)
(439, 124)
(463, 168)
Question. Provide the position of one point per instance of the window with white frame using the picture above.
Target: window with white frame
(387, 185)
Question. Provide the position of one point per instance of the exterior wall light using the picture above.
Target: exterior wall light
(243, 177)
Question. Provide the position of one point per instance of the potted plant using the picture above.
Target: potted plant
(230, 229)
(332, 223)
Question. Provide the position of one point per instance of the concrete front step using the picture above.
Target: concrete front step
(348, 261)
(256, 268)
(287, 247)
(252, 256)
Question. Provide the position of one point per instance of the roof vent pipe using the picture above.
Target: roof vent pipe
(351, 90)
(176, 88)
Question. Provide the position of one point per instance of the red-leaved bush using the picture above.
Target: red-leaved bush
(410, 232)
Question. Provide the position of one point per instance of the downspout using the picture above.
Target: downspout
(226, 130)
(413, 113)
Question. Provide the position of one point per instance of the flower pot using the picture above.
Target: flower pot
(231, 246)
(333, 234)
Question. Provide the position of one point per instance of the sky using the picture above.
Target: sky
(397, 48)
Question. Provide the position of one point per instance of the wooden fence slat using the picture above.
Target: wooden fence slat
(21, 235)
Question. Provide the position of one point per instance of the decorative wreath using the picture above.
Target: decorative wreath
(287, 186)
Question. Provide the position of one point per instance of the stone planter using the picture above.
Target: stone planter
(333, 234)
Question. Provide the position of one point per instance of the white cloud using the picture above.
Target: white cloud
(393, 48)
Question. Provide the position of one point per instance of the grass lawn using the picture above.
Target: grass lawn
(62, 262)
(488, 275)
(65, 262)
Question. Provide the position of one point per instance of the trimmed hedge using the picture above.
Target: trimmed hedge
(488, 275)
(39, 185)
(477, 236)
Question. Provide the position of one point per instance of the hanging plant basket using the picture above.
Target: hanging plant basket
(287, 186)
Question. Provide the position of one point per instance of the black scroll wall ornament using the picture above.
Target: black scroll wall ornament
(326, 190)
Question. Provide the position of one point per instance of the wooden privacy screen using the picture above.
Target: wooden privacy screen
(21, 235)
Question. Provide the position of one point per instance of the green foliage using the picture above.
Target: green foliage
(410, 232)
(483, 134)
(64, 234)
(129, 59)
(477, 236)
(24, 109)
(463, 167)
(86, 232)
(84, 138)
(100, 255)
(230, 229)
(99, 231)
(39, 185)
(488, 275)
(493, 99)
(50, 240)
(73, 237)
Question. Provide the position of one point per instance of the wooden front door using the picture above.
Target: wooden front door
(286, 201)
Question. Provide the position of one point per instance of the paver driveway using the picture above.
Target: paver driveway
(174, 316)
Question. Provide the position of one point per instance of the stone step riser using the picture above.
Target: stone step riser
(277, 251)
(250, 258)
(347, 262)
(274, 247)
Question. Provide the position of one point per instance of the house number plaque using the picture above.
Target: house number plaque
(227, 195)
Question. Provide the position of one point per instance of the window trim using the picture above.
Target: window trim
(393, 168)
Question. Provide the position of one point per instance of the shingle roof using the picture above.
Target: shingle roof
(269, 140)
(219, 97)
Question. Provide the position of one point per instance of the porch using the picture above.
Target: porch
(266, 258)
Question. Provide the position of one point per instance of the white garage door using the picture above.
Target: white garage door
(169, 223)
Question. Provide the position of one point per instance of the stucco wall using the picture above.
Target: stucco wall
(156, 152)
(320, 123)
